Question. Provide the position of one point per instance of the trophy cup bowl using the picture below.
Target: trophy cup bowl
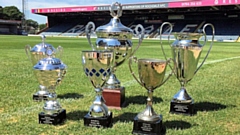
(97, 67)
(37, 53)
(186, 51)
(117, 37)
(50, 73)
(151, 76)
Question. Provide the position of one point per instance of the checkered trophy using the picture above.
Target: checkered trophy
(37, 53)
(97, 67)
(117, 37)
(186, 51)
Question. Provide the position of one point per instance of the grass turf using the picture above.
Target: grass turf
(215, 89)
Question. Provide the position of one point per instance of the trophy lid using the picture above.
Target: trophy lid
(42, 47)
(114, 29)
(49, 63)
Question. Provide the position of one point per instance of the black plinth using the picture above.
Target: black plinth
(182, 108)
(52, 119)
(98, 122)
(40, 97)
(147, 128)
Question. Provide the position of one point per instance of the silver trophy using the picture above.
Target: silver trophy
(151, 74)
(50, 72)
(186, 51)
(117, 37)
(37, 53)
(96, 65)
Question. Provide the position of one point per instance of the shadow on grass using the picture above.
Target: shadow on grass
(70, 95)
(125, 117)
(209, 106)
(76, 115)
(177, 124)
(141, 100)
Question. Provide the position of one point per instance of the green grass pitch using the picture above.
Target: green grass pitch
(215, 90)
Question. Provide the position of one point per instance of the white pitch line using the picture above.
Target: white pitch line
(220, 60)
(134, 82)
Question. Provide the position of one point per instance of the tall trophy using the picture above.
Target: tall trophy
(50, 72)
(37, 53)
(151, 74)
(186, 51)
(97, 67)
(117, 37)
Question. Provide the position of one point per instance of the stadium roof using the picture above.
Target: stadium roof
(139, 6)
(175, 6)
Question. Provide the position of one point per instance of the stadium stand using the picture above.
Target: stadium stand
(185, 17)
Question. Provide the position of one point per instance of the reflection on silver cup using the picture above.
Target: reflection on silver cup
(96, 65)
(50, 72)
(37, 53)
(117, 37)
(151, 76)
(186, 51)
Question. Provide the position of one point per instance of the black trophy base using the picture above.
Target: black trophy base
(40, 97)
(54, 119)
(147, 128)
(182, 108)
(105, 122)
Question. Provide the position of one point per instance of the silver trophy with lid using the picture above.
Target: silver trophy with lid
(37, 53)
(50, 72)
(117, 37)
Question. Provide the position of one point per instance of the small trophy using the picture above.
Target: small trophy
(186, 51)
(50, 72)
(97, 67)
(117, 37)
(35, 54)
(151, 76)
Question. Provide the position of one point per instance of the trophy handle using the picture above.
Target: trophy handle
(172, 71)
(171, 28)
(27, 50)
(205, 40)
(117, 6)
(60, 51)
(88, 29)
(130, 68)
(140, 35)
(43, 37)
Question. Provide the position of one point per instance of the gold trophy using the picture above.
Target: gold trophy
(186, 51)
(151, 74)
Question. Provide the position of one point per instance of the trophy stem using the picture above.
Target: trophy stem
(182, 96)
(99, 98)
(150, 98)
(41, 94)
(98, 109)
(52, 106)
(149, 114)
(112, 82)
(52, 94)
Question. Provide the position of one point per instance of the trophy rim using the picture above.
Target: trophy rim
(85, 51)
(151, 60)
(187, 35)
